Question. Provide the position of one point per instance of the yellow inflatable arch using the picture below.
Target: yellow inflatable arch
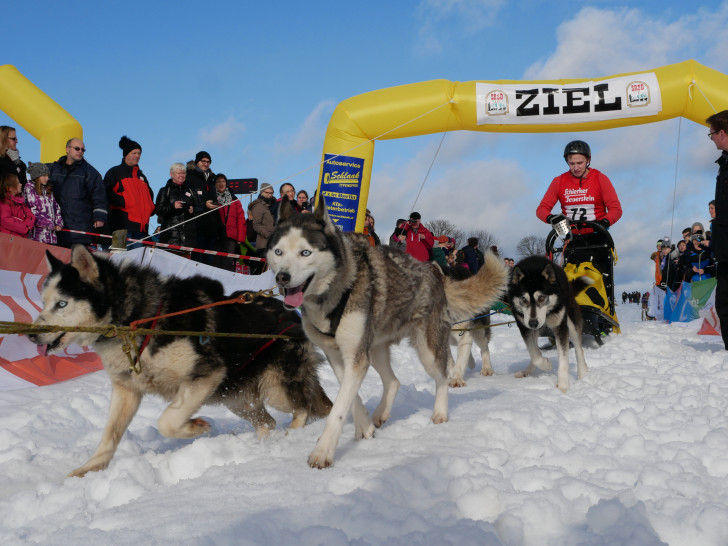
(37, 113)
(686, 89)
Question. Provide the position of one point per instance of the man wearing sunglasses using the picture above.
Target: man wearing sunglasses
(419, 239)
(80, 192)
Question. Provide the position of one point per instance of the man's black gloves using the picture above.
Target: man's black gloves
(604, 222)
(554, 219)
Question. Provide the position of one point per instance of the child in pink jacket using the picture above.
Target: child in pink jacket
(15, 215)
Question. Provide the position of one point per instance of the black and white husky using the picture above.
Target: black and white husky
(541, 295)
(238, 372)
(356, 300)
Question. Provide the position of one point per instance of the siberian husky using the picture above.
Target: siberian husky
(541, 295)
(240, 373)
(356, 300)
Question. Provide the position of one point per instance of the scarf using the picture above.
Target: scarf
(224, 198)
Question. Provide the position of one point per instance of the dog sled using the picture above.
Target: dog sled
(587, 248)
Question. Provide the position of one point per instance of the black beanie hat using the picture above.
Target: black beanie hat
(202, 155)
(127, 145)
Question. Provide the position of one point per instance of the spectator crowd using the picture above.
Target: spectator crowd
(68, 202)
(689, 259)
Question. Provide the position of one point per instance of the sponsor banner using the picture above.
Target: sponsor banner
(23, 268)
(635, 95)
(691, 301)
(341, 178)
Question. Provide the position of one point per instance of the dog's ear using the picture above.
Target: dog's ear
(549, 274)
(84, 263)
(320, 212)
(517, 275)
(54, 264)
(285, 210)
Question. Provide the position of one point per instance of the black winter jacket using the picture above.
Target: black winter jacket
(209, 224)
(8, 166)
(719, 240)
(80, 193)
(185, 234)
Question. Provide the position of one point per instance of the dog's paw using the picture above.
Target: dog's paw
(319, 460)
(193, 428)
(380, 418)
(94, 464)
(487, 372)
(439, 418)
(80, 472)
(457, 382)
(545, 364)
(563, 387)
(365, 433)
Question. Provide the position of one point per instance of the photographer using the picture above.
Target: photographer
(697, 262)
(175, 204)
(302, 202)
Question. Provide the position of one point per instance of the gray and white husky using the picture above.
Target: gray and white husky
(540, 294)
(464, 334)
(238, 372)
(356, 300)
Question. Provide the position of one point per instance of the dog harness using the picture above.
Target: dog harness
(335, 314)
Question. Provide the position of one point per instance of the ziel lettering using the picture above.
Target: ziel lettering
(549, 101)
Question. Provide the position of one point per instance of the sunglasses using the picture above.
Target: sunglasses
(412, 221)
(77, 148)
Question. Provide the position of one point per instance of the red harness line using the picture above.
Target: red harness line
(268, 344)
(173, 247)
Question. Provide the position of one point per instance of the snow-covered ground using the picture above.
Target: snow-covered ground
(636, 453)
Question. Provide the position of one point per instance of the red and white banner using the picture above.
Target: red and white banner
(21, 277)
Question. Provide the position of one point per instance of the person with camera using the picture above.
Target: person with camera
(418, 239)
(302, 201)
(175, 204)
(585, 194)
(697, 261)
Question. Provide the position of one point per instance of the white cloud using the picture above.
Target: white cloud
(222, 135)
(437, 18)
(600, 42)
(310, 135)
(478, 195)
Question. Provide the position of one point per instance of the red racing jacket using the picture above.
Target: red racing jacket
(590, 198)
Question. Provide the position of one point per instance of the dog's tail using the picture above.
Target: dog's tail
(470, 297)
(580, 284)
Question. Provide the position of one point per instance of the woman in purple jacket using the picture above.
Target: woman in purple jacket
(39, 196)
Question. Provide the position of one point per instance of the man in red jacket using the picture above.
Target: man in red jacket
(584, 193)
(131, 199)
(419, 239)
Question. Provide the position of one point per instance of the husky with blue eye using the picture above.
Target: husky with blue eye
(241, 373)
(356, 300)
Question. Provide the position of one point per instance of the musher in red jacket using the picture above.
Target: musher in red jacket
(584, 193)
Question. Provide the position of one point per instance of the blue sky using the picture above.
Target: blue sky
(255, 84)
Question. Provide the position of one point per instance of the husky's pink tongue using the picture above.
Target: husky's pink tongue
(43, 350)
(294, 296)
